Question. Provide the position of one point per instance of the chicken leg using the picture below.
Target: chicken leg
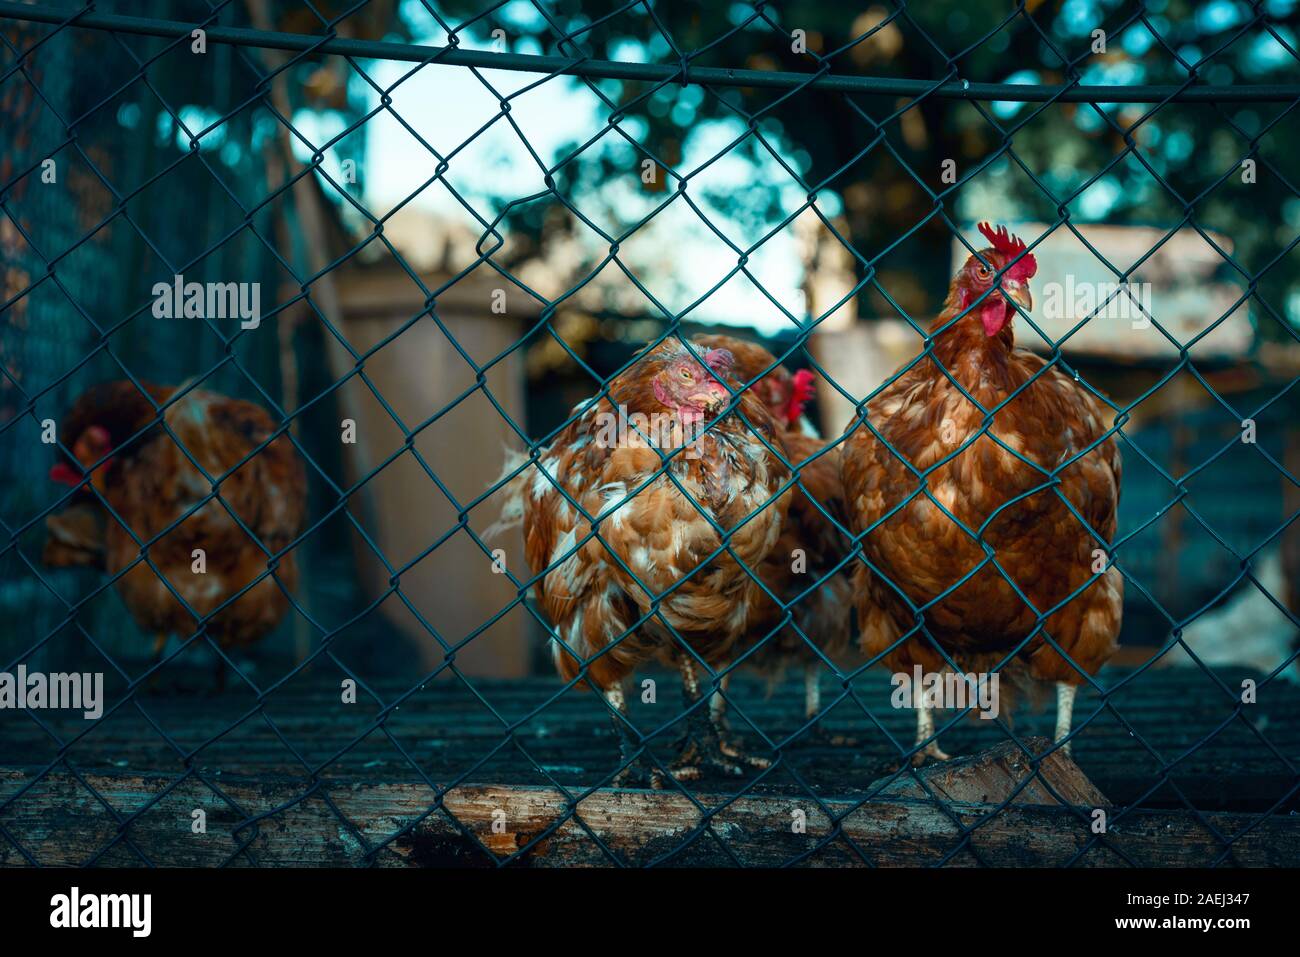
(718, 714)
(1064, 713)
(812, 707)
(704, 749)
(718, 704)
(925, 732)
(638, 770)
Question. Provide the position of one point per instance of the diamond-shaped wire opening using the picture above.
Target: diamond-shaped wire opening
(417, 436)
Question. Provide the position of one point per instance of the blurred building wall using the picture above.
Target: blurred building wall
(453, 587)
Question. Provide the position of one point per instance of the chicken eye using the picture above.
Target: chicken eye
(983, 271)
(686, 374)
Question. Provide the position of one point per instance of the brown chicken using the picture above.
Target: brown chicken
(808, 564)
(149, 483)
(785, 394)
(652, 584)
(1013, 513)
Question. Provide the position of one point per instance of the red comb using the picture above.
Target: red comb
(1010, 246)
(719, 360)
(801, 392)
(65, 474)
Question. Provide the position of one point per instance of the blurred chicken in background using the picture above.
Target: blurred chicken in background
(156, 488)
(810, 549)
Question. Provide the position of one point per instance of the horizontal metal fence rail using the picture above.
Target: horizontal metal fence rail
(820, 81)
(656, 72)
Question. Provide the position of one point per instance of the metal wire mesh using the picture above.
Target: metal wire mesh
(272, 56)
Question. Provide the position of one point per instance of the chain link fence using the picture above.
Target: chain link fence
(144, 150)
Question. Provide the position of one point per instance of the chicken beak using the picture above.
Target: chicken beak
(1018, 293)
(710, 402)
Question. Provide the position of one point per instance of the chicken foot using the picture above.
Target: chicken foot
(705, 749)
(718, 714)
(639, 770)
(812, 706)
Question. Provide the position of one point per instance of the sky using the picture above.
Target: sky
(676, 255)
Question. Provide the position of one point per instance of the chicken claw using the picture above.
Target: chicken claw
(638, 770)
(705, 749)
(640, 774)
(925, 732)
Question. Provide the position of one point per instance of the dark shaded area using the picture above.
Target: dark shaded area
(1169, 738)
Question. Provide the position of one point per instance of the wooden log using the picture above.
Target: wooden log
(60, 822)
(1003, 773)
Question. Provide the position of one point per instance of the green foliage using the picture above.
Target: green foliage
(1175, 166)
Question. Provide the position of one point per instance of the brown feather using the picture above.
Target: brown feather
(653, 554)
(823, 613)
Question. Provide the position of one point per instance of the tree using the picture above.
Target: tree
(882, 158)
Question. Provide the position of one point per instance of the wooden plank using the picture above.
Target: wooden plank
(60, 822)
(448, 732)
